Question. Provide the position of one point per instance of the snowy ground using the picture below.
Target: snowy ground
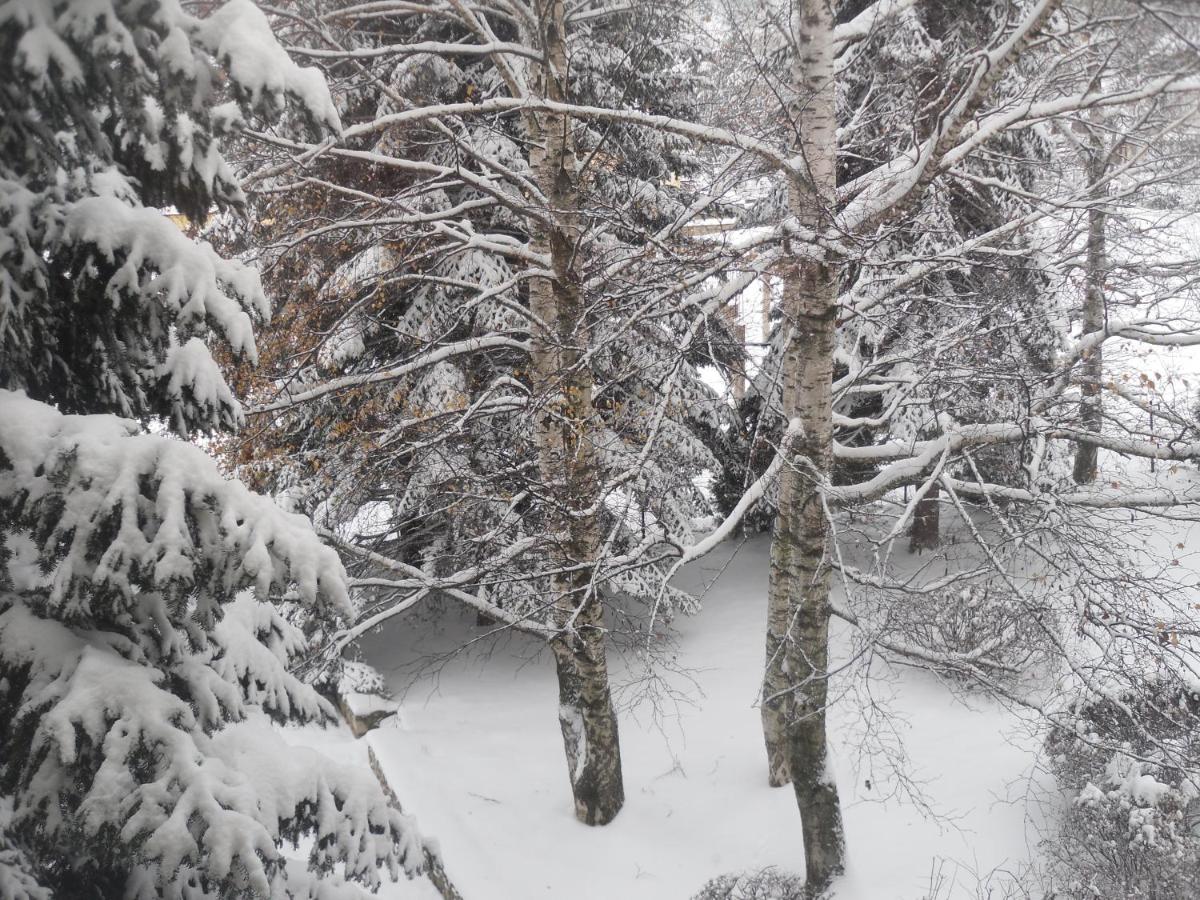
(477, 755)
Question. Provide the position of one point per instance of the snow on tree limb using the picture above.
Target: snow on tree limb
(57, 33)
(142, 652)
(239, 36)
(225, 800)
(125, 512)
(428, 359)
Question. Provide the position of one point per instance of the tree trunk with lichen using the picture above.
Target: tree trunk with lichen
(566, 425)
(796, 682)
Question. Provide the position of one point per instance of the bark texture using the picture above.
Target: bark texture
(1091, 408)
(796, 682)
(567, 423)
(926, 523)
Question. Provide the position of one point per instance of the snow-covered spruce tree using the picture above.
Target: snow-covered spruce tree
(141, 658)
(413, 386)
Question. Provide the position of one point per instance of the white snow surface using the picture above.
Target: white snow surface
(239, 34)
(476, 754)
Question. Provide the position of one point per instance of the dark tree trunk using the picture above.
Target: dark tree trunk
(589, 724)
(565, 436)
(923, 534)
(1091, 409)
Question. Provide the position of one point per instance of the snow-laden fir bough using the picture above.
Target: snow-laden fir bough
(144, 650)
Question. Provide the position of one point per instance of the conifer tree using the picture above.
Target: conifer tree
(144, 650)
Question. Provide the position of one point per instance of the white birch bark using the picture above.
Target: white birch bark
(795, 685)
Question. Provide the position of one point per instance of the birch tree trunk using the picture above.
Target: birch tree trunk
(766, 308)
(926, 523)
(1091, 409)
(796, 682)
(566, 454)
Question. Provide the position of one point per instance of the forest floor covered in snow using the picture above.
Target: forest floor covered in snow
(944, 790)
(937, 784)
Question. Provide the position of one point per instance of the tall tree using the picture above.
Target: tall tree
(798, 616)
(142, 657)
(528, 421)
(971, 389)
(1135, 160)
